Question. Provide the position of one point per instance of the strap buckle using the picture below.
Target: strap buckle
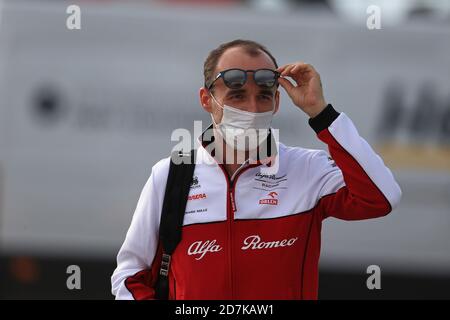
(165, 264)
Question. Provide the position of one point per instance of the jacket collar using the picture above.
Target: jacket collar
(206, 139)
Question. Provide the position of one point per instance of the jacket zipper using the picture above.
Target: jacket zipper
(231, 208)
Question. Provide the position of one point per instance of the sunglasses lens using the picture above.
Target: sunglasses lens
(265, 78)
(234, 79)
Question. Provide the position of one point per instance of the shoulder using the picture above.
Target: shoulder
(302, 155)
(309, 164)
(162, 165)
(157, 178)
(160, 170)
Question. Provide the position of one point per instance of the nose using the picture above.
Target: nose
(253, 105)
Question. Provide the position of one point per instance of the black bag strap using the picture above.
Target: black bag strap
(179, 180)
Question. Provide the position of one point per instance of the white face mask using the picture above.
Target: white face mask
(237, 126)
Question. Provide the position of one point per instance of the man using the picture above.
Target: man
(247, 234)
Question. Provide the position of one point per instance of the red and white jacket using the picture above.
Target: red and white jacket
(256, 235)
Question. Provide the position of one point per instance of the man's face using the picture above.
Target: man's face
(250, 97)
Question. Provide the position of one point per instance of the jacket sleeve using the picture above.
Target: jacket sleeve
(139, 257)
(355, 183)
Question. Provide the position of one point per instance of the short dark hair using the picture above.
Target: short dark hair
(251, 47)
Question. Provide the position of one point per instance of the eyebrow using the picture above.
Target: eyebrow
(235, 91)
(266, 91)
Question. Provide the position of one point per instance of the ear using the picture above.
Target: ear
(277, 101)
(205, 99)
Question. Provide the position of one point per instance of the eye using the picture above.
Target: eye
(265, 97)
(237, 96)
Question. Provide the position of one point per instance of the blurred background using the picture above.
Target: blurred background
(85, 114)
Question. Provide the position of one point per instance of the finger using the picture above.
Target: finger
(295, 70)
(302, 67)
(303, 73)
(285, 68)
(287, 71)
(297, 66)
(287, 85)
(281, 69)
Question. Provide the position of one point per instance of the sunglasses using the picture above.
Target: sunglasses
(236, 78)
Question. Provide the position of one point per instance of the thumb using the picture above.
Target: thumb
(288, 86)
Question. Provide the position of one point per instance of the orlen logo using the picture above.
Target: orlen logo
(272, 200)
(201, 248)
(197, 196)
